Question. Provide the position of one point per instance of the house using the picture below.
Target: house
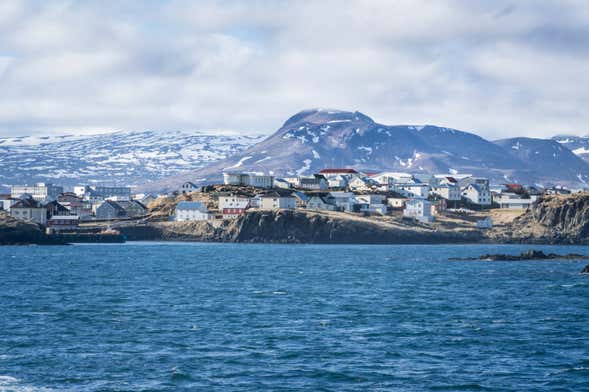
(56, 208)
(133, 208)
(147, 200)
(40, 191)
(510, 200)
(6, 201)
(192, 211)
(29, 209)
(396, 202)
(248, 179)
(447, 191)
(63, 222)
(412, 190)
(371, 203)
(477, 194)
(232, 206)
(188, 187)
(322, 201)
(277, 200)
(363, 184)
(75, 205)
(109, 210)
(315, 183)
(338, 178)
(344, 201)
(419, 209)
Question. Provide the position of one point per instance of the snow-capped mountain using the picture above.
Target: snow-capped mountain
(121, 158)
(577, 144)
(315, 139)
(546, 159)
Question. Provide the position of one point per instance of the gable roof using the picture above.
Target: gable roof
(27, 203)
(338, 171)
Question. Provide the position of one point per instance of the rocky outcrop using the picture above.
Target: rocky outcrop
(17, 232)
(554, 219)
(298, 226)
(524, 256)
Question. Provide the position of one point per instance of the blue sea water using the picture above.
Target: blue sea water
(175, 317)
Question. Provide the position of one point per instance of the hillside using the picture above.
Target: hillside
(121, 158)
(315, 139)
(547, 159)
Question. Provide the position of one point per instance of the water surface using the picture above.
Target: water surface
(168, 317)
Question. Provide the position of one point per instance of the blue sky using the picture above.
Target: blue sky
(498, 68)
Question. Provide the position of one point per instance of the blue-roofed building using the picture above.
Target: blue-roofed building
(192, 211)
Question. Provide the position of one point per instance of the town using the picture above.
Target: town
(414, 197)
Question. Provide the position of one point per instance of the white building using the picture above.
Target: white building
(447, 191)
(477, 194)
(188, 187)
(420, 209)
(97, 193)
(277, 200)
(363, 184)
(40, 191)
(30, 210)
(248, 179)
(509, 200)
(396, 202)
(343, 200)
(411, 189)
(232, 206)
(192, 211)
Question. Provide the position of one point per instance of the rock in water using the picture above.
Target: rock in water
(585, 270)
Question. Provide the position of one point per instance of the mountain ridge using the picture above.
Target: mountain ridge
(314, 139)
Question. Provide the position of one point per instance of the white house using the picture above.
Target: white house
(419, 209)
(29, 210)
(447, 191)
(363, 184)
(192, 211)
(371, 203)
(277, 200)
(510, 200)
(232, 206)
(477, 194)
(396, 202)
(188, 187)
(412, 189)
(343, 200)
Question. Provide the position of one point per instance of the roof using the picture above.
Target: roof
(27, 203)
(276, 193)
(338, 171)
(191, 205)
(65, 217)
(114, 205)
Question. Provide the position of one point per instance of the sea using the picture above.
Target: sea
(249, 317)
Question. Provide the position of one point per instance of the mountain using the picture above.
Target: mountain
(547, 159)
(577, 144)
(315, 139)
(116, 159)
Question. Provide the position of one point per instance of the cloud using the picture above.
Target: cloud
(498, 68)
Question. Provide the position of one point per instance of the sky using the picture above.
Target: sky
(494, 67)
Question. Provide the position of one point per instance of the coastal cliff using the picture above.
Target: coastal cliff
(301, 226)
(555, 219)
